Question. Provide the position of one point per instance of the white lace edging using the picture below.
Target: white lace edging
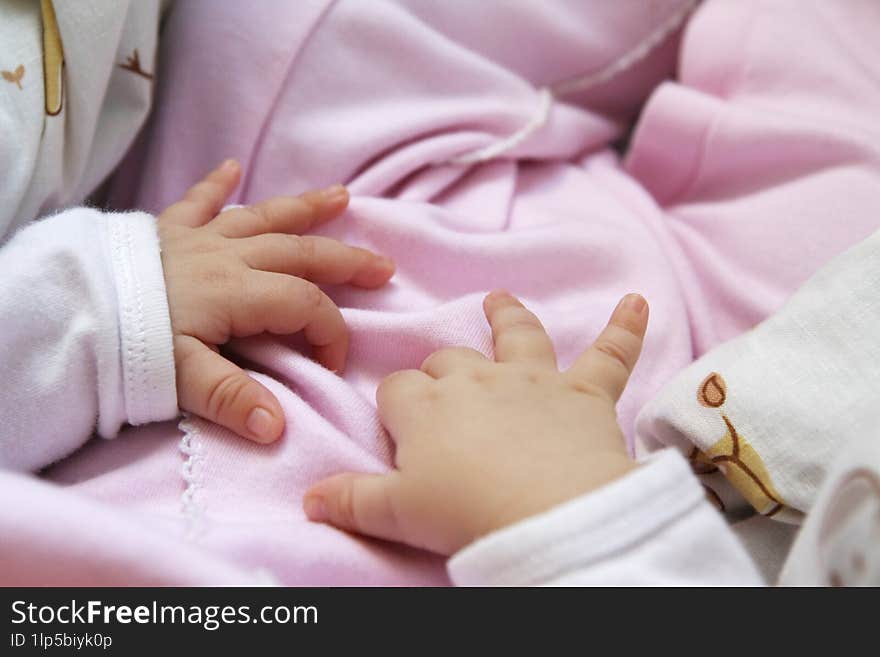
(191, 448)
(546, 95)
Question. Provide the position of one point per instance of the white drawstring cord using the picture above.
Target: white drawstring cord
(579, 84)
(490, 152)
(627, 60)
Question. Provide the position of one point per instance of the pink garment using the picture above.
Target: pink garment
(743, 177)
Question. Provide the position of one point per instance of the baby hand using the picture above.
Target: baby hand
(483, 444)
(247, 271)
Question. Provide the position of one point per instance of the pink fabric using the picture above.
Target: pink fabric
(757, 165)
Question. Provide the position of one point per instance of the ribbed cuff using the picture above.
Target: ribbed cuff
(147, 348)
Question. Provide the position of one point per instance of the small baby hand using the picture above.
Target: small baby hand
(483, 444)
(247, 271)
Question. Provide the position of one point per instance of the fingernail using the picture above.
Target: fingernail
(315, 509)
(229, 164)
(260, 423)
(335, 193)
(385, 262)
(634, 302)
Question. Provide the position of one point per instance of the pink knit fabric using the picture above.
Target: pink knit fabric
(759, 163)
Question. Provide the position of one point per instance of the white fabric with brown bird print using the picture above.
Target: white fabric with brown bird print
(766, 417)
(71, 99)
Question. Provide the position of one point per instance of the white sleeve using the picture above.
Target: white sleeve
(85, 334)
(653, 527)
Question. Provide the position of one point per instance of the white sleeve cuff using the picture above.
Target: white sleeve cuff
(146, 346)
(590, 539)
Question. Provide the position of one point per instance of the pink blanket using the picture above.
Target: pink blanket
(476, 138)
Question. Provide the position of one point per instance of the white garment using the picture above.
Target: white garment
(85, 338)
(798, 389)
(839, 544)
(651, 528)
(86, 334)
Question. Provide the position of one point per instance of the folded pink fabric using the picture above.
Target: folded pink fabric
(476, 140)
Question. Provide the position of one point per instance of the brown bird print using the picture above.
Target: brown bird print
(133, 64)
(737, 459)
(14, 76)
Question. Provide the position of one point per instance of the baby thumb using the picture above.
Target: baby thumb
(360, 503)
